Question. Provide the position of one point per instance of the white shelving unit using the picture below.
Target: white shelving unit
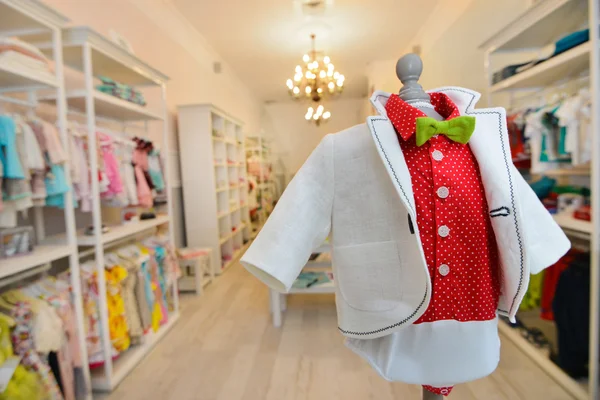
(258, 149)
(94, 55)
(29, 20)
(215, 195)
(321, 263)
(544, 23)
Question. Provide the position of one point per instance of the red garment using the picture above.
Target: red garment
(443, 390)
(453, 219)
(551, 275)
(452, 216)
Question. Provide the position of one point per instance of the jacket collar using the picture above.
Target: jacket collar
(465, 99)
(404, 116)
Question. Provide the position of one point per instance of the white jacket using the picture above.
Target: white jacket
(355, 188)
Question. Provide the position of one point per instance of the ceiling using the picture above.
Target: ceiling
(263, 40)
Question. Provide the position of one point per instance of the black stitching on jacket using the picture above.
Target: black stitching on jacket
(512, 194)
(512, 198)
(426, 288)
(500, 212)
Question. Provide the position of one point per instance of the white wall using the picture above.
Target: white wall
(454, 59)
(295, 138)
(163, 38)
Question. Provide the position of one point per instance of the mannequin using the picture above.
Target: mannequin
(408, 69)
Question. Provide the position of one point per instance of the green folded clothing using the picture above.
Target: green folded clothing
(309, 279)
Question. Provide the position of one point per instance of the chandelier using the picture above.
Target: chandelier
(319, 115)
(314, 80)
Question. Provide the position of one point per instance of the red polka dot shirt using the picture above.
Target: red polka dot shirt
(452, 216)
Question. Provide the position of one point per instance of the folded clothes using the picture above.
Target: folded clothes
(309, 279)
(120, 90)
(565, 43)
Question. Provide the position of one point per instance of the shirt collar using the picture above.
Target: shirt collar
(404, 116)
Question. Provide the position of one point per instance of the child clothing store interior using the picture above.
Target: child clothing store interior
(301, 199)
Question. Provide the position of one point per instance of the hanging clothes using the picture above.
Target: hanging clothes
(23, 344)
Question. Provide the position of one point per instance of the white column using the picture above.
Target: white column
(165, 152)
(71, 232)
(96, 209)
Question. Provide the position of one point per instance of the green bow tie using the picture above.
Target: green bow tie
(458, 129)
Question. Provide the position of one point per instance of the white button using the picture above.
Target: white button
(443, 231)
(443, 192)
(444, 269)
(437, 155)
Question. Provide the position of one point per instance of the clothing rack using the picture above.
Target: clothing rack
(93, 55)
(572, 68)
(34, 19)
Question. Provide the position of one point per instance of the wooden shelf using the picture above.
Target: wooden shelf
(328, 287)
(108, 106)
(567, 221)
(235, 257)
(108, 58)
(541, 24)
(13, 78)
(122, 231)
(127, 360)
(225, 238)
(571, 63)
(19, 15)
(569, 172)
(541, 359)
(42, 254)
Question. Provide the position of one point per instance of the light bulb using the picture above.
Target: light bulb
(320, 90)
(322, 74)
(297, 77)
(305, 58)
(336, 75)
(326, 115)
(320, 108)
(331, 85)
(308, 74)
(308, 90)
(330, 67)
(340, 83)
(315, 117)
(309, 113)
(296, 90)
(326, 60)
(342, 77)
(289, 84)
(330, 73)
(298, 68)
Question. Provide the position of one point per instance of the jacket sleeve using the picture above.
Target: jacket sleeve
(546, 241)
(299, 224)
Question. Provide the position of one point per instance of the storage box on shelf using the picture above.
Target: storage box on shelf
(543, 24)
(94, 55)
(214, 178)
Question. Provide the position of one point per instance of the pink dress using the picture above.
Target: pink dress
(144, 194)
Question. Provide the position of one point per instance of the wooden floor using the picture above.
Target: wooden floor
(225, 348)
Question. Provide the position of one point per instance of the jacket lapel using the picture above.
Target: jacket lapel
(490, 146)
(386, 142)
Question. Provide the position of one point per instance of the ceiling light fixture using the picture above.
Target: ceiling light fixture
(314, 80)
(317, 116)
